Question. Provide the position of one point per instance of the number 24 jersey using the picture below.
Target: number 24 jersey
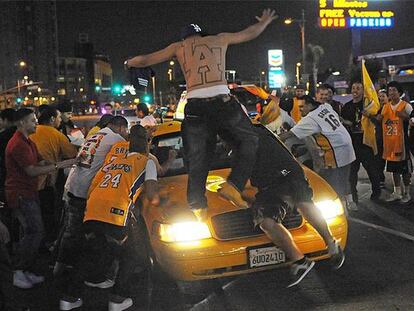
(116, 188)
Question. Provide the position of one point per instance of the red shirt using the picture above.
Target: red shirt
(20, 153)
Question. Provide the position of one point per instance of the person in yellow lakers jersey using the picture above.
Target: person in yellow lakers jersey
(300, 91)
(394, 117)
(110, 227)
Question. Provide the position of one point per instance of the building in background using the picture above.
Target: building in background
(72, 79)
(29, 43)
(102, 78)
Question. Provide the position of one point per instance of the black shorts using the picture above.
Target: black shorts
(281, 198)
(400, 167)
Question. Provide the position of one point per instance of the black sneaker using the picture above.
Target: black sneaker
(337, 255)
(299, 270)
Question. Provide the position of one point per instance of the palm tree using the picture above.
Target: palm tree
(314, 55)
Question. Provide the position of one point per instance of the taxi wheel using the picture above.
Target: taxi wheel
(159, 283)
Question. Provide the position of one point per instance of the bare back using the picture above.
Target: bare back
(203, 61)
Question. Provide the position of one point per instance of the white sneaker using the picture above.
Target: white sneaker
(68, 303)
(119, 306)
(105, 284)
(351, 206)
(33, 278)
(406, 198)
(394, 197)
(299, 271)
(20, 280)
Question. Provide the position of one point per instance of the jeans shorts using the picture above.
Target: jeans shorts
(338, 178)
(281, 198)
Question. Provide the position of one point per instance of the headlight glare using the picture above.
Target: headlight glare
(330, 208)
(183, 231)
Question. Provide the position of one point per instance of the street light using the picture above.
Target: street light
(262, 74)
(301, 23)
(298, 72)
(22, 64)
(153, 88)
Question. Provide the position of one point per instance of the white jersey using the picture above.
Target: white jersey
(276, 125)
(148, 120)
(93, 153)
(332, 140)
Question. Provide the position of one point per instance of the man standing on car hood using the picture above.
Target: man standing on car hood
(210, 108)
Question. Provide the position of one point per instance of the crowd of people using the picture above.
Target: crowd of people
(74, 193)
(47, 168)
(341, 137)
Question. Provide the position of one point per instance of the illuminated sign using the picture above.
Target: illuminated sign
(352, 14)
(276, 77)
(276, 74)
(275, 58)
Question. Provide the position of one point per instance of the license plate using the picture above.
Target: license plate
(265, 256)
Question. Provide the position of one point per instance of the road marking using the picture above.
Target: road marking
(392, 218)
(384, 229)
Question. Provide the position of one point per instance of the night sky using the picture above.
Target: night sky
(125, 28)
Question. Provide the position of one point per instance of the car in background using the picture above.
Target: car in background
(128, 114)
(228, 243)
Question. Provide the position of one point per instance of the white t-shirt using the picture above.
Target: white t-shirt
(148, 121)
(331, 137)
(94, 151)
(150, 170)
(276, 125)
(209, 91)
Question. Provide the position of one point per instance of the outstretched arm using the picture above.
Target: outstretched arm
(252, 31)
(285, 136)
(153, 58)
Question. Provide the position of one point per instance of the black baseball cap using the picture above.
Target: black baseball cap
(190, 30)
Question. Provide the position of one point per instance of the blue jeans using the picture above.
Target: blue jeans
(205, 118)
(29, 217)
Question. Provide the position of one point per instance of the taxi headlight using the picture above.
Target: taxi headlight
(330, 208)
(183, 231)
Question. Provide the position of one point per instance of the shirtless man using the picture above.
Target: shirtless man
(210, 109)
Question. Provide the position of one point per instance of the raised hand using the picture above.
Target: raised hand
(267, 17)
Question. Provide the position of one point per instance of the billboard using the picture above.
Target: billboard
(353, 14)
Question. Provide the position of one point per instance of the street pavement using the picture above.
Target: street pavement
(377, 274)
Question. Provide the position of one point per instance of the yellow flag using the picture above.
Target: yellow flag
(271, 111)
(371, 107)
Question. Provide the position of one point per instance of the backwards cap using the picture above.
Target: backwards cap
(190, 30)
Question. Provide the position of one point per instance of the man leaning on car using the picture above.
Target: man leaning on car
(282, 188)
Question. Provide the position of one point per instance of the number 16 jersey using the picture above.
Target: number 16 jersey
(330, 137)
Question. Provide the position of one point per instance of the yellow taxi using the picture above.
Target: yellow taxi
(228, 243)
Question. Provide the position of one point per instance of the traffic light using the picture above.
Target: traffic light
(116, 89)
(19, 100)
(146, 98)
(97, 88)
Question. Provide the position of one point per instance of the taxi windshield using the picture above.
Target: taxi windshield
(161, 145)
